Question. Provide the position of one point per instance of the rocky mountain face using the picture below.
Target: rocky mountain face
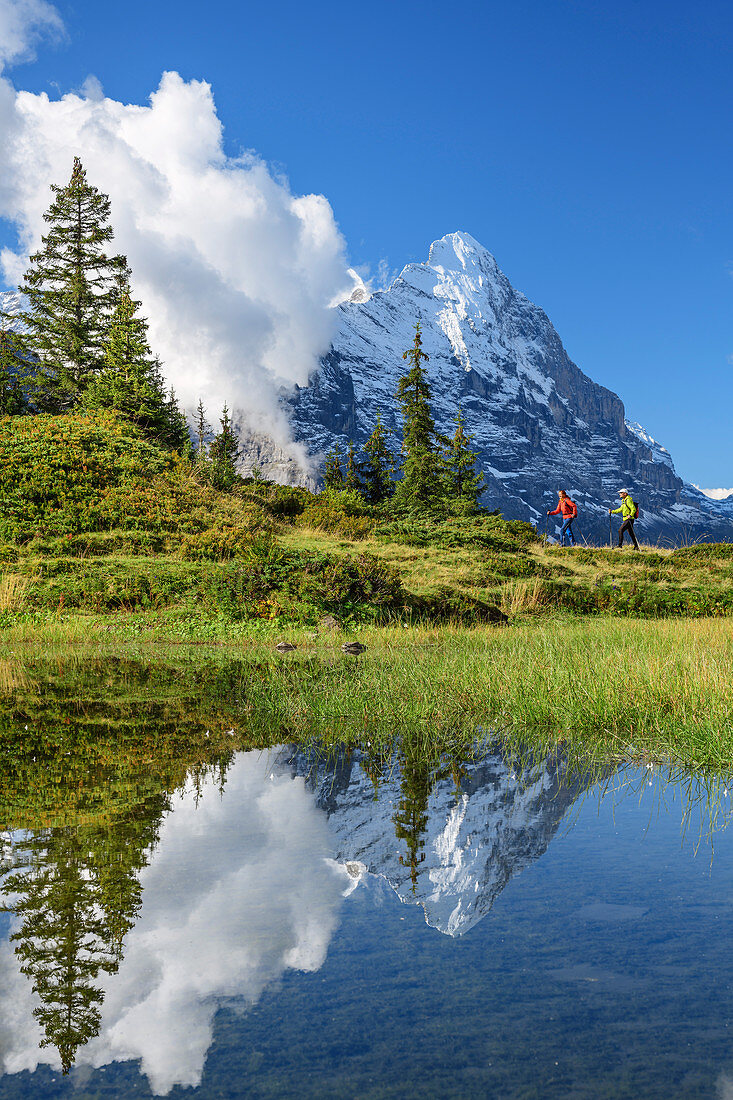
(538, 423)
(477, 836)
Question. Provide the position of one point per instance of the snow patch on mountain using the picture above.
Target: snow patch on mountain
(716, 494)
(11, 304)
(659, 453)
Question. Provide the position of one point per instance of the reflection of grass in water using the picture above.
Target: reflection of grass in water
(597, 694)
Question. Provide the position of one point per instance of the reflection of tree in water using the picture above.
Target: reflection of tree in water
(419, 774)
(76, 898)
(93, 753)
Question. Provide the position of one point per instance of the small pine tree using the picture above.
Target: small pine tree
(132, 380)
(333, 477)
(352, 476)
(223, 454)
(203, 429)
(464, 483)
(177, 434)
(421, 486)
(13, 367)
(72, 286)
(379, 465)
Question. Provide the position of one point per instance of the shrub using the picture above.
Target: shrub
(357, 586)
(341, 512)
(56, 473)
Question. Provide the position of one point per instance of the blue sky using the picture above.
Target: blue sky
(586, 145)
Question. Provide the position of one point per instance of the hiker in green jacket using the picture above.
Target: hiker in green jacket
(629, 513)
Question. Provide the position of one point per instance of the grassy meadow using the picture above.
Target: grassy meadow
(109, 547)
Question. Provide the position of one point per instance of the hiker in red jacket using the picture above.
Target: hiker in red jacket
(569, 510)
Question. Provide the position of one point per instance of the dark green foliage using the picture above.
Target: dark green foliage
(13, 369)
(223, 453)
(464, 483)
(486, 530)
(68, 474)
(421, 486)
(356, 587)
(352, 474)
(379, 465)
(333, 477)
(71, 286)
(131, 380)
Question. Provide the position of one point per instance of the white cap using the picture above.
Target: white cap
(623, 491)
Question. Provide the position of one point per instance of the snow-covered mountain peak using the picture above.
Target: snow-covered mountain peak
(460, 252)
(537, 421)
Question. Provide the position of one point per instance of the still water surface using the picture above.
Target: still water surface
(294, 925)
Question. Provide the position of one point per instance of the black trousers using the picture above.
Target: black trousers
(628, 526)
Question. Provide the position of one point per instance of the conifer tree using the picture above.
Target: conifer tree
(352, 475)
(421, 486)
(13, 367)
(333, 477)
(379, 465)
(203, 429)
(132, 381)
(71, 286)
(223, 454)
(463, 481)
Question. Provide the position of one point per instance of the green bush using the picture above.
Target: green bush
(486, 530)
(339, 512)
(359, 586)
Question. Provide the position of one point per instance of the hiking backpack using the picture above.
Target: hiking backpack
(637, 511)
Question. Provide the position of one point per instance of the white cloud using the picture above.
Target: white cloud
(22, 24)
(716, 494)
(236, 274)
(240, 889)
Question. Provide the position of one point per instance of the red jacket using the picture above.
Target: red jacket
(567, 506)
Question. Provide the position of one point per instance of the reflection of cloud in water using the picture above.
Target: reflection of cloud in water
(239, 890)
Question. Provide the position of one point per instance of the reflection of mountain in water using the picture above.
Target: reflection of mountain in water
(475, 838)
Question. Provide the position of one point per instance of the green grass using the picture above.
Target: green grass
(602, 688)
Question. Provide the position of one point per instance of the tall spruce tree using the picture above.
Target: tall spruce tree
(379, 465)
(463, 480)
(13, 369)
(132, 380)
(71, 286)
(333, 477)
(422, 484)
(352, 474)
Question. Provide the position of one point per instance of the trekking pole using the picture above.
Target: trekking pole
(545, 525)
(610, 531)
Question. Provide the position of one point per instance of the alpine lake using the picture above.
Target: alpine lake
(194, 904)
